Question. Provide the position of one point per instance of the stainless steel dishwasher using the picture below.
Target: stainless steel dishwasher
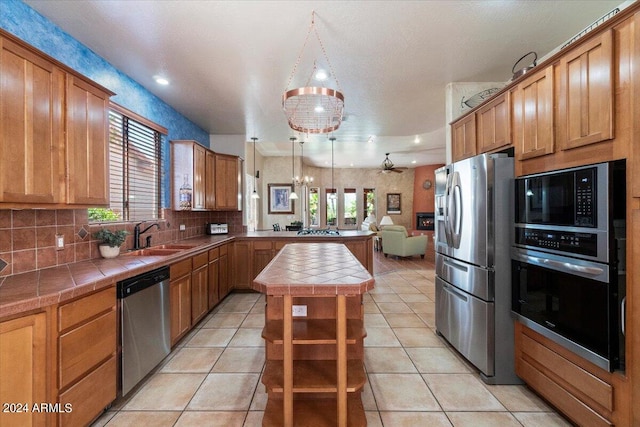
(145, 330)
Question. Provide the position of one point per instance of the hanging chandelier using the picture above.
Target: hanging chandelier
(313, 109)
(255, 194)
(303, 179)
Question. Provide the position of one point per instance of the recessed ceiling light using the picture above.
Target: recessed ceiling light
(413, 162)
(417, 140)
(321, 75)
(351, 164)
(161, 80)
(319, 109)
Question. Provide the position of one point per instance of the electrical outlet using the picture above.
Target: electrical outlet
(183, 227)
(59, 242)
(299, 311)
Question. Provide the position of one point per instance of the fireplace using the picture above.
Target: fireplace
(424, 221)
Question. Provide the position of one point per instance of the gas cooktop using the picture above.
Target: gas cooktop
(318, 232)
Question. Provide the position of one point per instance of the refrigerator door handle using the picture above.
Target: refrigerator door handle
(447, 230)
(455, 219)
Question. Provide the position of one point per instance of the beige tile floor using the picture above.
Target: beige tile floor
(212, 378)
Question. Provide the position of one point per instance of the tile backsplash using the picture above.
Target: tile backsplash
(27, 237)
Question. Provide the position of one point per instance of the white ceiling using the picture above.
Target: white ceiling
(229, 61)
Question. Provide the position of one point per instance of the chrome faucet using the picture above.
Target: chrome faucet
(137, 233)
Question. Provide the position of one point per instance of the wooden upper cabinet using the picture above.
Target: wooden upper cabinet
(226, 182)
(532, 115)
(493, 127)
(40, 99)
(189, 161)
(31, 127)
(87, 146)
(463, 138)
(585, 98)
(209, 181)
(199, 176)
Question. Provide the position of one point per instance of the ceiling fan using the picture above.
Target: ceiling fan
(387, 166)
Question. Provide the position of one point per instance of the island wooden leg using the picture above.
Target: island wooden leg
(287, 344)
(341, 362)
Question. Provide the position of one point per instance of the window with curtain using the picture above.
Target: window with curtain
(135, 168)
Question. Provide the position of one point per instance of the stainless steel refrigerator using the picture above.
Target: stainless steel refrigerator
(474, 222)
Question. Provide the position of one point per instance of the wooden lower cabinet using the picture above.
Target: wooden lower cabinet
(23, 369)
(87, 368)
(180, 299)
(224, 273)
(213, 293)
(243, 265)
(586, 394)
(263, 253)
(199, 287)
(89, 396)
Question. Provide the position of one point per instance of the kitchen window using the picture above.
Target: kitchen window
(331, 206)
(135, 172)
(350, 207)
(314, 206)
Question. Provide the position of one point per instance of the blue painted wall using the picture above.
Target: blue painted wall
(25, 23)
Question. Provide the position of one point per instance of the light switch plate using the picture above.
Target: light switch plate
(299, 311)
(59, 242)
(183, 227)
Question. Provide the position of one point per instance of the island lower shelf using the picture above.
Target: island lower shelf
(314, 373)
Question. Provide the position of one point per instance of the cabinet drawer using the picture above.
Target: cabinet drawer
(569, 404)
(200, 260)
(214, 254)
(261, 245)
(78, 311)
(179, 269)
(85, 347)
(598, 390)
(90, 395)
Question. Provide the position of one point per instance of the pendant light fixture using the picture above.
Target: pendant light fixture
(255, 194)
(333, 189)
(313, 109)
(293, 195)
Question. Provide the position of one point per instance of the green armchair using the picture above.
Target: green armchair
(396, 241)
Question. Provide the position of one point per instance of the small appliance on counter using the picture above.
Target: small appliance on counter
(216, 228)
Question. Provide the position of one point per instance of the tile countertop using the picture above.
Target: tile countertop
(289, 234)
(314, 269)
(41, 288)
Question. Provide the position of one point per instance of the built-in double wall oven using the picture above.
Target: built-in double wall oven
(568, 259)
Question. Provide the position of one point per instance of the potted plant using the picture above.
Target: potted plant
(111, 242)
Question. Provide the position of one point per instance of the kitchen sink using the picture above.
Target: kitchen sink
(154, 252)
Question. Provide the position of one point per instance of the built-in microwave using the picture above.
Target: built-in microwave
(568, 280)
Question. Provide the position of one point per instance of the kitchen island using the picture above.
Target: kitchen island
(254, 250)
(314, 362)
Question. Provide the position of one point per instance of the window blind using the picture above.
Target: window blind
(135, 172)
